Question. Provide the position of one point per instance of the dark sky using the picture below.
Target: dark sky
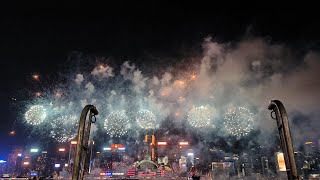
(37, 38)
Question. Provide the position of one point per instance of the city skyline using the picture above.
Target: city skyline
(205, 77)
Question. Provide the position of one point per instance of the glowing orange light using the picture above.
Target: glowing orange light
(74, 142)
(62, 149)
(35, 77)
(180, 83)
(101, 66)
(193, 76)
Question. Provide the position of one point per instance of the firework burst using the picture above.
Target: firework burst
(35, 115)
(146, 120)
(64, 128)
(117, 124)
(238, 121)
(200, 117)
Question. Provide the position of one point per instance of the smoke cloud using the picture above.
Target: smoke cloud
(247, 74)
(79, 78)
(103, 71)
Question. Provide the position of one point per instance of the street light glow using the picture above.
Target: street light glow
(62, 149)
(25, 163)
(74, 142)
(56, 165)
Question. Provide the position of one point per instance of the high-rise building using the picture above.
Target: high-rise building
(42, 164)
(14, 160)
(246, 165)
(309, 148)
(265, 166)
(2, 167)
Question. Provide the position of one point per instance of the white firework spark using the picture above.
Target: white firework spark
(146, 120)
(117, 124)
(238, 121)
(200, 117)
(64, 128)
(35, 115)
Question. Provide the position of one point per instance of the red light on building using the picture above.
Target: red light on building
(131, 172)
(116, 146)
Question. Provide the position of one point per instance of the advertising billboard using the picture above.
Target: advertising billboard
(281, 162)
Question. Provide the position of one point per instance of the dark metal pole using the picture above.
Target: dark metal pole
(82, 141)
(285, 137)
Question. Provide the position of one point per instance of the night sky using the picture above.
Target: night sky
(39, 39)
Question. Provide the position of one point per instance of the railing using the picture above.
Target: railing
(82, 142)
(285, 137)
